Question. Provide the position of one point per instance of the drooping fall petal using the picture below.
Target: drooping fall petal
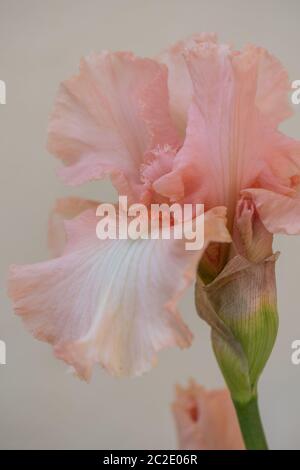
(110, 301)
(109, 118)
(206, 419)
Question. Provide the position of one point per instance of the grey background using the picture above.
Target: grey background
(41, 406)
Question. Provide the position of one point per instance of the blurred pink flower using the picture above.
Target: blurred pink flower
(205, 419)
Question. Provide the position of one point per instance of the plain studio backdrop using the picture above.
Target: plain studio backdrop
(41, 405)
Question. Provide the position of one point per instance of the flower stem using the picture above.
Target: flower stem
(251, 425)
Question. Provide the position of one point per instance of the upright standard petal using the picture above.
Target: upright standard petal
(109, 118)
(231, 139)
(179, 80)
(110, 301)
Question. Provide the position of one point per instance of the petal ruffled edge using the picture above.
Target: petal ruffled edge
(279, 213)
(112, 302)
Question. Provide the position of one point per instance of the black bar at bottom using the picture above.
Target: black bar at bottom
(136, 458)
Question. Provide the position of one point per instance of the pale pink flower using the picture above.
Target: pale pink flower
(206, 419)
(113, 301)
(196, 125)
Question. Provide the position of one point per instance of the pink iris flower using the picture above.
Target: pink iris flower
(196, 125)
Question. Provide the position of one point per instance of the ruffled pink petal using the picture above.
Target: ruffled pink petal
(273, 85)
(66, 208)
(279, 213)
(193, 169)
(111, 301)
(206, 419)
(281, 171)
(238, 99)
(179, 80)
(109, 117)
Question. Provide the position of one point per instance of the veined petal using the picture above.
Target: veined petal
(238, 100)
(273, 85)
(278, 212)
(179, 80)
(111, 301)
(65, 208)
(108, 117)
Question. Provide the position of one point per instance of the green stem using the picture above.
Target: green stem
(251, 425)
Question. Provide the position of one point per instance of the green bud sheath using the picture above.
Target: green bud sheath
(240, 306)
